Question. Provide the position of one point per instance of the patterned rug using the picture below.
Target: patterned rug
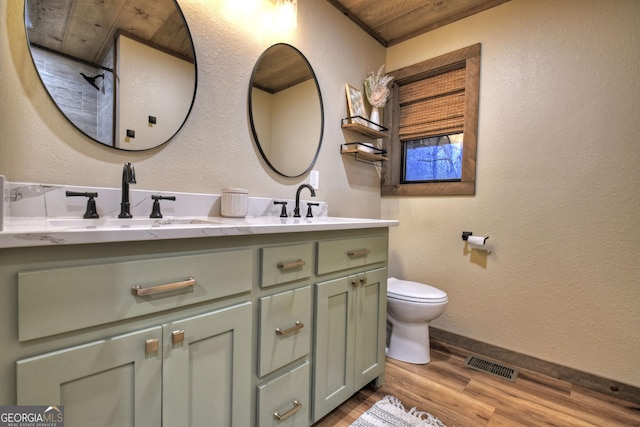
(389, 412)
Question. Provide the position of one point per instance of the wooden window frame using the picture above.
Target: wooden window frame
(391, 184)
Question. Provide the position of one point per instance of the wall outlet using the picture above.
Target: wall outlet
(314, 179)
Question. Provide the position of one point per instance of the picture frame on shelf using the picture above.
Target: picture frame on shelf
(355, 102)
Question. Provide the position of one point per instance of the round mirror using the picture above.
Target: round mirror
(122, 71)
(285, 110)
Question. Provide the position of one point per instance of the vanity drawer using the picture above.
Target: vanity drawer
(66, 299)
(285, 335)
(336, 255)
(282, 264)
(286, 397)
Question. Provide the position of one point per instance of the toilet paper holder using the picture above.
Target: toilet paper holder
(466, 234)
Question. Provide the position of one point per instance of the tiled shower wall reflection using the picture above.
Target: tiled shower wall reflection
(89, 109)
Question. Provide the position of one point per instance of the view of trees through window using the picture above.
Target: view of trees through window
(437, 158)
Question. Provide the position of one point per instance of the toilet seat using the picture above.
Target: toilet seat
(406, 290)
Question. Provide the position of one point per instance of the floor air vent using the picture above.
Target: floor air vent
(477, 363)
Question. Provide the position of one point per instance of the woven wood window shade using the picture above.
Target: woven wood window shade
(432, 106)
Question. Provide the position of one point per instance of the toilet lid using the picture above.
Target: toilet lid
(413, 291)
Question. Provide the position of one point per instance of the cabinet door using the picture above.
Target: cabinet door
(371, 326)
(112, 382)
(334, 346)
(207, 369)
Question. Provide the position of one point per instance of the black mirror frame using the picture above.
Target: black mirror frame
(251, 120)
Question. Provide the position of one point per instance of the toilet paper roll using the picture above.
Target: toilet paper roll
(477, 240)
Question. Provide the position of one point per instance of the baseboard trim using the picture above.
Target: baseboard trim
(582, 379)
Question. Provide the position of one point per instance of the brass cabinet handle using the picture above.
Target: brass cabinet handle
(140, 291)
(290, 265)
(281, 332)
(354, 283)
(177, 336)
(296, 407)
(151, 345)
(360, 252)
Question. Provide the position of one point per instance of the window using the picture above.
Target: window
(432, 159)
(433, 123)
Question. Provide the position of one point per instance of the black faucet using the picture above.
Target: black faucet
(128, 177)
(296, 210)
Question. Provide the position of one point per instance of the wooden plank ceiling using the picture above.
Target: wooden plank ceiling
(280, 68)
(85, 29)
(394, 21)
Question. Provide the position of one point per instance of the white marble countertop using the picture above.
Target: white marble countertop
(36, 214)
(25, 232)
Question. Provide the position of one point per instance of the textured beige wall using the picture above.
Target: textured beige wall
(147, 78)
(215, 148)
(558, 187)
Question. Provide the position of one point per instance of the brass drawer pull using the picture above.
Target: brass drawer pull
(290, 265)
(177, 336)
(281, 332)
(290, 412)
(140, 291)
(361, 252)
(151, 345)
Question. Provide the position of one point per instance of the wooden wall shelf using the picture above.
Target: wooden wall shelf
(363, 152)
(364, 130)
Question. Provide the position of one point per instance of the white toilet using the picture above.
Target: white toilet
(410, 308)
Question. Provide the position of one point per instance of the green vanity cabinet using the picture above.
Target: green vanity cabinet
(264, 330)
(350, 336)
(190, 372)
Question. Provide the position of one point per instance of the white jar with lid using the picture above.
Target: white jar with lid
(235, 202)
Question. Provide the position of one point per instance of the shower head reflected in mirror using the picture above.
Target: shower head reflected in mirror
(92, 80)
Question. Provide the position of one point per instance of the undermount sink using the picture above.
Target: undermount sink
(75, 223)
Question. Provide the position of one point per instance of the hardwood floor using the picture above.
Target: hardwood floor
(463, 397)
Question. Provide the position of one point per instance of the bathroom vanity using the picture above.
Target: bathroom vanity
(230, 321)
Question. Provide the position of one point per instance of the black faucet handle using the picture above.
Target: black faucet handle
(155, 213)
(91, 211)
(283, 212)
(309, 211)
